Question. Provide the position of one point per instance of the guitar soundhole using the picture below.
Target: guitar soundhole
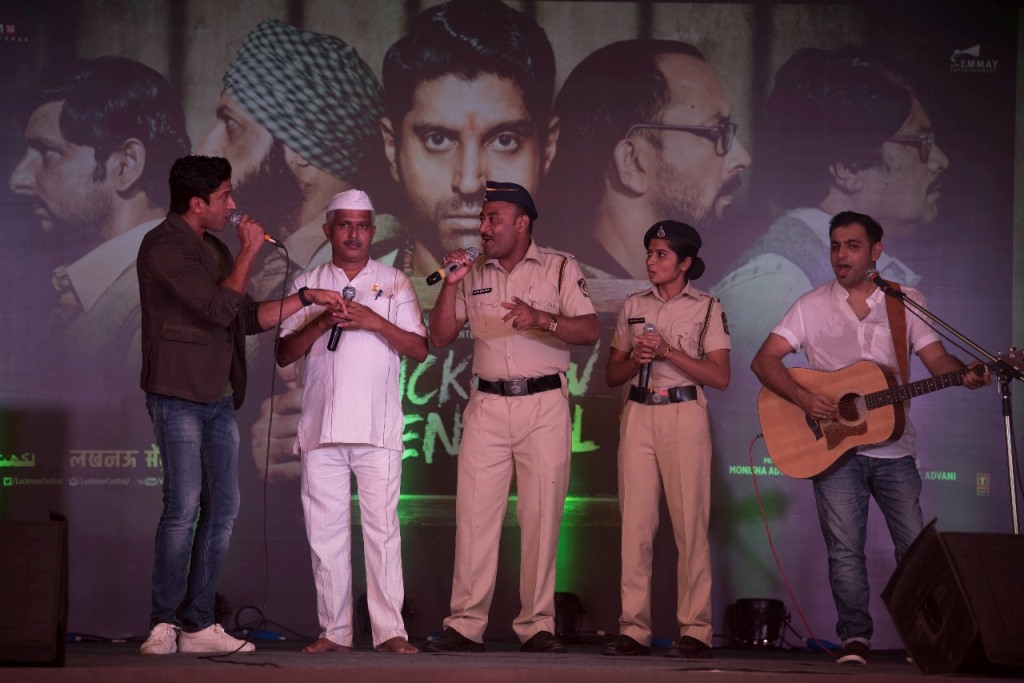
(851, 408)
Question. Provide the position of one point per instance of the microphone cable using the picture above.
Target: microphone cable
(219, 658)
(775, 554)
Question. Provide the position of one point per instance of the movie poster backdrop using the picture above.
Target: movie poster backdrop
(74, 433)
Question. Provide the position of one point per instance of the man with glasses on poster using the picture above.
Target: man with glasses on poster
(646, 134)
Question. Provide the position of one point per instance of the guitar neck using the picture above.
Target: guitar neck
(907, 391)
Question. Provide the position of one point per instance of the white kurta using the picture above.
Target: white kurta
(351, 424)
(351, 396)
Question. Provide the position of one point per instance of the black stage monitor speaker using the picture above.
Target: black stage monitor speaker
(958, 602)
(33, 592)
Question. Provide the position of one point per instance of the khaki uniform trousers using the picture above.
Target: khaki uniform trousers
(665, 446)
(532, 436)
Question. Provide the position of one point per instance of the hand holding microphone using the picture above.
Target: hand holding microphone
(235, 220)
(348, 294)
(449, 268)
(645, 369)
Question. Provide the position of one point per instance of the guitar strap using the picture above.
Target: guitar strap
(898, 327)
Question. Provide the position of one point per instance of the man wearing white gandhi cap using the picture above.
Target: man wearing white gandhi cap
(351, 423)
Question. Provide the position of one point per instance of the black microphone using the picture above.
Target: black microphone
(443, 271)
(872, 276)
(348, 294)
(645, 369)
(235, 219)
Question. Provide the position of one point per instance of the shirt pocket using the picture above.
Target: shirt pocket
(543, 296)
(385, 306)
(685, 336)
(485, 314)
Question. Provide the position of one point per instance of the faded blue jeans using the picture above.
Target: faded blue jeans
(199, 448)
(842, 499)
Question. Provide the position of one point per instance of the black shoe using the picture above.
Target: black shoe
(543, 641)
(452, 641)
(688, 647)
(854, 652)
(624, 646)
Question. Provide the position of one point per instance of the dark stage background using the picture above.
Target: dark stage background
(75, 437)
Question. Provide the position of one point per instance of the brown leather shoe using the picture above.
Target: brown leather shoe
(324, 645)
(397, 645)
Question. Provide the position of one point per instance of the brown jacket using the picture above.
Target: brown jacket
(193, 329)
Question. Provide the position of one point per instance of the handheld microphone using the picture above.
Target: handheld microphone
(443, 271)
(348, 294)
(235, 219)
(872, 276)
(645, 369)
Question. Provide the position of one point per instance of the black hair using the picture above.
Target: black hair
(613, 88)
(684, 250)
(871, 226)
(108, 100)
(468, 38)
(828, 108)
(196, 176)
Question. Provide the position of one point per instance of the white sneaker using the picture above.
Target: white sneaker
(212, 639)
(163, 640)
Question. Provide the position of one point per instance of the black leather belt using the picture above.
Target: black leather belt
(661, 397)
(520, 387)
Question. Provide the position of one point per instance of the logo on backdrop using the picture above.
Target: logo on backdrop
(970, 61)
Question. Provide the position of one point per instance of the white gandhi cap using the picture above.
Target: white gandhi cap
(352, 200)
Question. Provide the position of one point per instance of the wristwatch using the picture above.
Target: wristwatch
(302, 296)
(553, 325)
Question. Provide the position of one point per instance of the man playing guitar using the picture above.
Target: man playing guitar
(836, 325)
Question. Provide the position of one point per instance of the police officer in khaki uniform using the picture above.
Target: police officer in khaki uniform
(677, 336)
(525, 305)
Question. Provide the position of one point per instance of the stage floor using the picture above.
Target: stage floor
(277, 662)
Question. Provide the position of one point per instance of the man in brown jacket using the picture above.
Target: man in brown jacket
(195, 315)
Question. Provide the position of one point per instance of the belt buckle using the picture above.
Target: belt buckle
(658, 396)
(516, 387)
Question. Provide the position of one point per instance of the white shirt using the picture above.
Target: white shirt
(822, 324)
(351, 395)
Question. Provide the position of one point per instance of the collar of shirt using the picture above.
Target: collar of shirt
(532, 254)
(94, 273)
(890, 267)
(366, 278)
(687, 291)
(840, 293)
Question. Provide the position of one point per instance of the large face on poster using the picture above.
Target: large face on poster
(752, 123)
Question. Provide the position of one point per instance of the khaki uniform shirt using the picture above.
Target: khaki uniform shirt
(680, 321)
(546, 279)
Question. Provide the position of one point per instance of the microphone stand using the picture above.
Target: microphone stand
(1004, 371)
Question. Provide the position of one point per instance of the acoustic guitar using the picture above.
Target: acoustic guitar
(871, 412)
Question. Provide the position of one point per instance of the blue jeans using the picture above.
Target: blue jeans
(199, 448)
(842, 499)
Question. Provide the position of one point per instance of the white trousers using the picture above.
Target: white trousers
(327, 505)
